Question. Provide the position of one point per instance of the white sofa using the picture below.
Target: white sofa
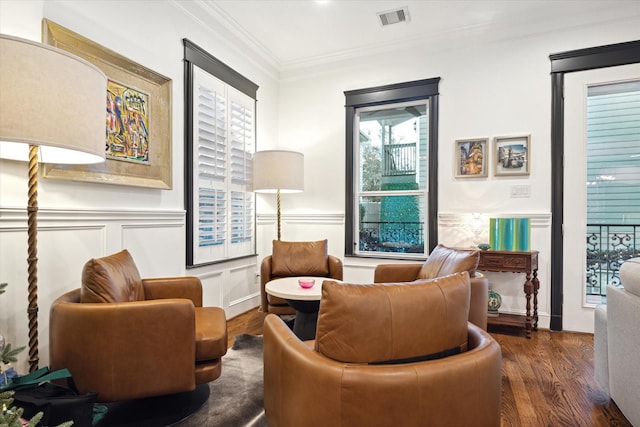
(617, 342)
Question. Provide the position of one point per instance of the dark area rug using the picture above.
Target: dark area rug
(155, 411)
(233, 400)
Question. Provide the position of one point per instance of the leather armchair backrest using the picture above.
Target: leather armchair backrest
(443, 261)
(114, 278)
(393, 321)
(300, 259)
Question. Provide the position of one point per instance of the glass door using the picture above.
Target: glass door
(602, 186)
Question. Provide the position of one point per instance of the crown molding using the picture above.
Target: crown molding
(234, 36)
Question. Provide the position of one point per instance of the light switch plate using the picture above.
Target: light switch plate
(520, 191)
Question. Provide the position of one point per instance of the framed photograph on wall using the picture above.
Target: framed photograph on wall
(471, 158)
(512, 155)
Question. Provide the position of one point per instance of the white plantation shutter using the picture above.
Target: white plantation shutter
(241, 143)
(223, 140)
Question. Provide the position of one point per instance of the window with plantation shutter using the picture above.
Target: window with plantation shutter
(220, 136)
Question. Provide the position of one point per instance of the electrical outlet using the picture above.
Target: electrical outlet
(520, 191)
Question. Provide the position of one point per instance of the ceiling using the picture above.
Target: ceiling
(291, 33)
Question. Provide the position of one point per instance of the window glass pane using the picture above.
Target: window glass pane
(392, 223)
(613, 183)
(613, 153)
(391, 132)
(393, 147)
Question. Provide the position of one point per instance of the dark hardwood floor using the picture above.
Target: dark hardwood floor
(546, 380)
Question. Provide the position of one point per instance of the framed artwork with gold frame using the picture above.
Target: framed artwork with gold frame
(137, 117)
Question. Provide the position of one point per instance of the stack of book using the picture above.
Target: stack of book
(510, 234)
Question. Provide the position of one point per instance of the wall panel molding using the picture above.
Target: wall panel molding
(16, 215)
(450, 219)
(312, 218)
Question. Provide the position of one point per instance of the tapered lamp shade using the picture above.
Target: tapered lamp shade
(52, 110)
(275, 170)
(50, 99)
(278, 171)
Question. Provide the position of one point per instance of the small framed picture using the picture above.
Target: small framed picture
(512, 155)
(471, 158)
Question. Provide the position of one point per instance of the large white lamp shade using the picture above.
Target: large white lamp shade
(52, 109)
(52, 99)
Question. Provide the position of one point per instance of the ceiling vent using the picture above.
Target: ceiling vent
(394, 16)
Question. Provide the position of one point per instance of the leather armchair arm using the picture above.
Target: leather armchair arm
(153, 339)
(388, 273)
(479, 304)
(335, 267)
(265, 276)
(174, 287)
(296, 375)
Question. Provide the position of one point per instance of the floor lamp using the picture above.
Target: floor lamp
(278, 171)
(52, 110)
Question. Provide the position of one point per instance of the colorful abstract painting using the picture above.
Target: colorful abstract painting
(127, 123)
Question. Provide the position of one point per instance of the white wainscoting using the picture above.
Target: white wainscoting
(69, 238)
(301, 227)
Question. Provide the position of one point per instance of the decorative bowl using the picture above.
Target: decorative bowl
(306, 283)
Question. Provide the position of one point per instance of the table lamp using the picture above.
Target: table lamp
(278, 171)
(52, 110)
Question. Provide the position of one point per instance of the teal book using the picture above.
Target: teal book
(506, 238)
(522, 234)
(494, 233)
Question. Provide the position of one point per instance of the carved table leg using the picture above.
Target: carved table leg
(528, 290)
(536, 286)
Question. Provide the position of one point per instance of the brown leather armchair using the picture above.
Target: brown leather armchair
(295, 259)
(126, 337)
(443, 261)
(401, 355)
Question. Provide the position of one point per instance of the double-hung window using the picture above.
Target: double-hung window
(220, 134)
(391, 170)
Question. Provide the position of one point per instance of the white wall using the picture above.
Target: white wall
(487, 89)
(78, 221)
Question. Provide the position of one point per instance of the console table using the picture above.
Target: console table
(515, 262)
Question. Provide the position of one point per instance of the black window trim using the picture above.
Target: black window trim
(194, 55)
(391, 94)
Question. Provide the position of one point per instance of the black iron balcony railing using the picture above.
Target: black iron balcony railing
(399, 159)
(407, 237)
(608, 246)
